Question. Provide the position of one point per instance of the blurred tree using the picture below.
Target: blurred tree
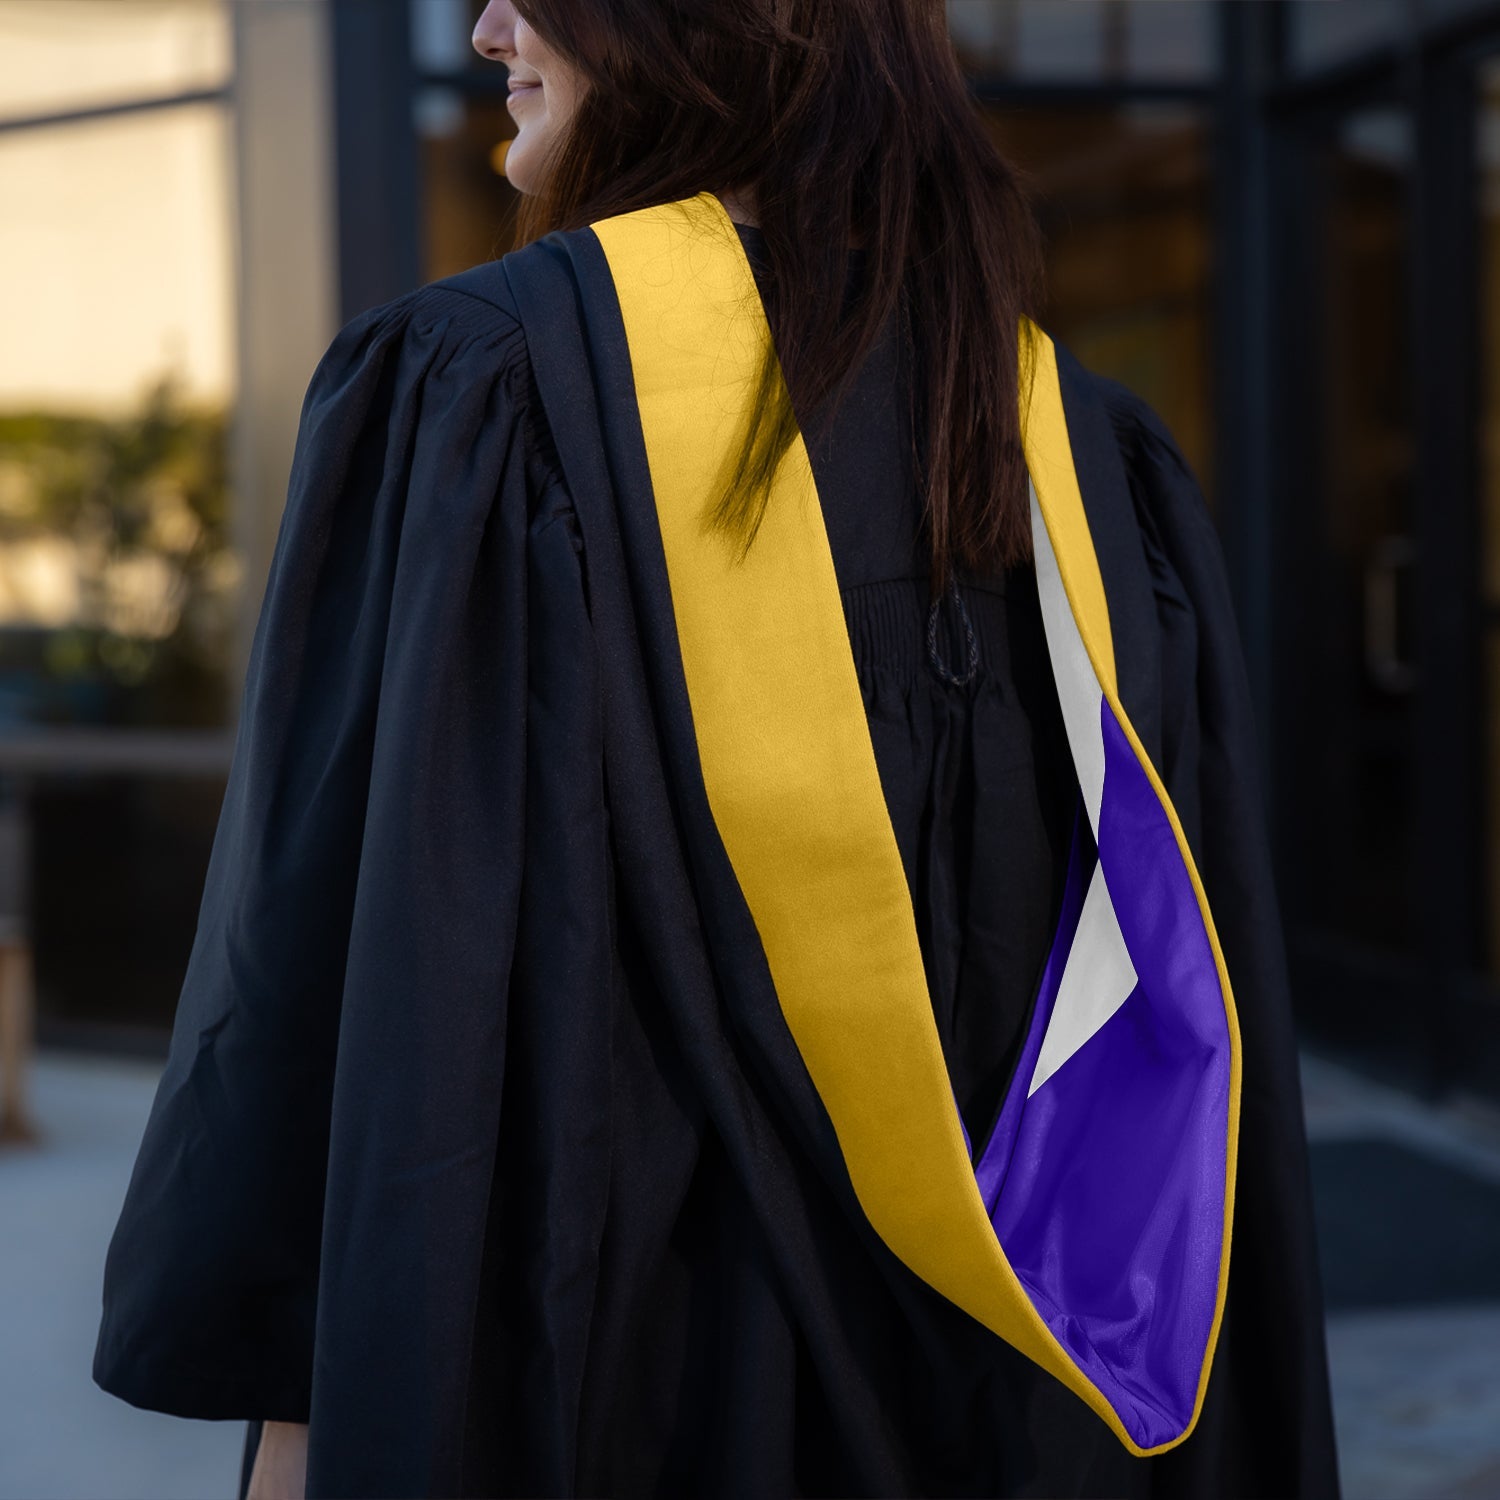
(118, 581)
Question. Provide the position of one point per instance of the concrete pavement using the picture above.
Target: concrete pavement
(1417, 1388)
(61, 1437)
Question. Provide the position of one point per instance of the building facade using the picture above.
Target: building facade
(1279, 222)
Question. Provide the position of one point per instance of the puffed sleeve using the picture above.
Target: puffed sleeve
(344, 999)
(1267, 1425)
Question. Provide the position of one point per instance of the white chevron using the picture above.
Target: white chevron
(1078, 688)
(1099, 975)
(1096, 982)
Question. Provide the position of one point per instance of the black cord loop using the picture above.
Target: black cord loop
(934, 659)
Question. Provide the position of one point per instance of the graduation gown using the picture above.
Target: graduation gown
(484, 1142)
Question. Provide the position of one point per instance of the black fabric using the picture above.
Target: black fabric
(482, 1144)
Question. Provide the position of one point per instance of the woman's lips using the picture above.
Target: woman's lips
(522, 88)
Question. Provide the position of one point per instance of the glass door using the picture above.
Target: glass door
(1480, 982)
(1388, 611)
(1350, 687)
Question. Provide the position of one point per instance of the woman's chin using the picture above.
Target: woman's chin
(519, 170)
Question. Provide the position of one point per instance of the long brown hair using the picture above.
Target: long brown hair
(842, 118)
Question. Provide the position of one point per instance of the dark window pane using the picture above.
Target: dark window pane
(1359, 695)
(1172, 40)
(1322, 33)
(440, 38)
(1435, 11)
(469, 203)
(112, 931)
(1124, 203)
(1490, 760)
(1164, 41)
(1487, 152)
(440, 32)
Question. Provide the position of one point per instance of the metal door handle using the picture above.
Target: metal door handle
(1383, 659)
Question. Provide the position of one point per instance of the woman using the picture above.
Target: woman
(658, 1023)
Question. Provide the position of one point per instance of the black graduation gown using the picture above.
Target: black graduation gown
(482, 1143)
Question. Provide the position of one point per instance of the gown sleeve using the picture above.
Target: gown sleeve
(1267, 1425)
(344, 995)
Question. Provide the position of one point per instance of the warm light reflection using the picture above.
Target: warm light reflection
(115, 260)
(59, 55)
(118, 577)
(40, 581)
